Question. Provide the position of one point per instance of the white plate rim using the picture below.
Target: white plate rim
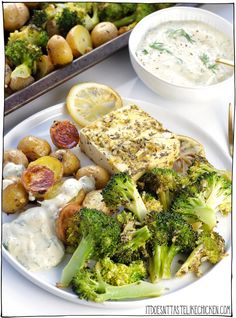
(47, 114)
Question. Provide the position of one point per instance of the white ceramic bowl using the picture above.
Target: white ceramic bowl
(162, 87)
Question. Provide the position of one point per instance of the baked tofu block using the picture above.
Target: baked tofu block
(129, 139)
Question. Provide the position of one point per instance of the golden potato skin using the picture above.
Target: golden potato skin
(103, 32)
(34, 147)
(100, 175)
(69, 161)
(79, 40)
(7, 78)
(16, 156)
(59, 50)
(15, 15)
(18, 83)
(14, 198)
(44, 66)
(64, 218)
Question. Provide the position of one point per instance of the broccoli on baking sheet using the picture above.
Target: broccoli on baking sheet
(23, 56)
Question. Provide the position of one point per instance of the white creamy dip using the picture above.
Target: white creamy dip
(31, 237)
(184, 53)
(12, 170)
(69, 189)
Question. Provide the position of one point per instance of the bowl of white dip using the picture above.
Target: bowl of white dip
(174, 53)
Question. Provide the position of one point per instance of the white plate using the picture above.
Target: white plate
(39, 125)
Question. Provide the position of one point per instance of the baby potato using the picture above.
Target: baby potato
(100, 175)
(15, 15)
(32, 5)
(64, 134)
(79, 40)
(64, 218)
(69, 161)
(14, 198)
(51, 163)
(103, 32)
(18, 83)
(34, 147)
(59, 50)
(16, 156)
(37, 179)
(7, 75)
(95, 199)
(44, 66)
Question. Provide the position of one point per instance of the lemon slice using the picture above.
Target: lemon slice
(87, 102)
(189, 149)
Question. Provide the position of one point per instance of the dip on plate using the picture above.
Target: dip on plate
(184, 52)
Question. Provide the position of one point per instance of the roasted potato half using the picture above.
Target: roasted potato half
(51, 163)
(64, 134)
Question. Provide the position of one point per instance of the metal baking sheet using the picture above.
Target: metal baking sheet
(59, 76)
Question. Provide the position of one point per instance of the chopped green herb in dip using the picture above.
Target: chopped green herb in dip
(184, 53)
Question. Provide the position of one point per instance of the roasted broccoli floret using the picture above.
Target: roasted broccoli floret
(100, 237)
(66, 20)
(87, 13)
(201, 166)
(132, 246)
(210, 247)
(162, 182)
(118, 274)
(31, 34)
(24, 56)
(89, 284)
(39, 18)
(151, 202)
(171, 235)
(112, 11)
(142, 9)
(121, 191)
(201, 201)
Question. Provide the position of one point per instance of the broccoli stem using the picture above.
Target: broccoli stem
(140, 237)
(137, 206)
(165, 199)
(192, 263)
(141, 289)
(156, 262)
(77, 261)
(172, 252)
(125, 21)
(207, 215)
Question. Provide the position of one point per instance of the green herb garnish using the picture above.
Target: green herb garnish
(206, 61)
(180, 32)
(160, 47)
(213, 68)
(145, 52)
(204, 58)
